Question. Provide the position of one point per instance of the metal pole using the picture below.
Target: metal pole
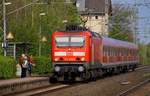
(4, 27)
(40, 37)
(40, 32)
(14, 50)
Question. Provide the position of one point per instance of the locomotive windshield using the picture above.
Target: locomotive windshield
(69, 41)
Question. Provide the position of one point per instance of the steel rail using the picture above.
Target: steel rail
(133, 88)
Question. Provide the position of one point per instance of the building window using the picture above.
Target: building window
(96, 17)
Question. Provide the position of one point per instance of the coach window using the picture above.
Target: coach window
(134, 52)
(131, 52)
(117, 52)
(107, 48)
(126, 52)
(113, 51)
(120, 53)
(109, 51)
(96, 17)
(104, 51)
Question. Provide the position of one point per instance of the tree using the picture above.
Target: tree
(144, 53)
(121, 26)
(25, 23)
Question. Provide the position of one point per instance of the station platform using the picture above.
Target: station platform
(22, 84)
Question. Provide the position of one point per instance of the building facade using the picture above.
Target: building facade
(95, 14)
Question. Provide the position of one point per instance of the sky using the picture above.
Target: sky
(144, 17)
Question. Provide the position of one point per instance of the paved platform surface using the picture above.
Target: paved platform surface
(20, 80)
(22, 84)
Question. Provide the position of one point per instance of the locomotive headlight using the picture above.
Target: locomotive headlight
(57, 68)
(80, 68)
(82, 59)
(56, 59)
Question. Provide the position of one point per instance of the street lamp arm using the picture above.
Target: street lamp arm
(22, 7)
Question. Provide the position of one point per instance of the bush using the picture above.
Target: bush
(7, 67)
(42, 65)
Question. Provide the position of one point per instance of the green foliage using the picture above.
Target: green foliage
(42, 65)
(121, 23)
(7, 67)
(144, 53)
(26, 24)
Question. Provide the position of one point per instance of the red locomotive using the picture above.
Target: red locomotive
(82, 54)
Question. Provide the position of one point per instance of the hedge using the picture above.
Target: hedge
(42, 65)
(7, 67)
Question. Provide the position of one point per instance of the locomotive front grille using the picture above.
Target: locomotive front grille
(62, 67)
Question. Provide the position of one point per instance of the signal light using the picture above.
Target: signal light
(80, 68)
(56, 59)
(57, 68)
(82, 59)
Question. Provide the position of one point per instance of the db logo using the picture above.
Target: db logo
(69, 53)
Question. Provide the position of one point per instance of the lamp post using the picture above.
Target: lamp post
(4, 26)
(40, 31)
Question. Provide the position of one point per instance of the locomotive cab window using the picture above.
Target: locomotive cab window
(61, 41)
(76, 41)
(69, 41)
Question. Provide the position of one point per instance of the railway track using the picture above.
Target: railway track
(57, 87)
(44, 90)
(133, 88)
(41, 90)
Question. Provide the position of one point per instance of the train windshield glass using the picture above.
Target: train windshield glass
(69, 41)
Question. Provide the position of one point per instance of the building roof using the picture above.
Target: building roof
(94, 6)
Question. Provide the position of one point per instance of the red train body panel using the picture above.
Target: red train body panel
(84, 53)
